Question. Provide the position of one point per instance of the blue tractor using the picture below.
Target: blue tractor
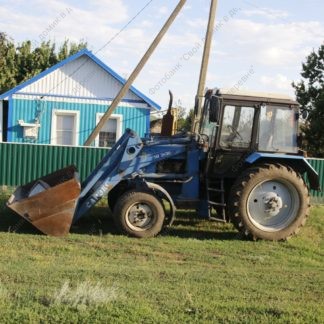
(241, 164)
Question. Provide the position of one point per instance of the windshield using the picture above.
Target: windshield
(278, 129)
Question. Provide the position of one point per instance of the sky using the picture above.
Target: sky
(257, 45)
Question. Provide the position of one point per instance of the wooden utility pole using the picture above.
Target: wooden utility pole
(134, 74)
(204, 64)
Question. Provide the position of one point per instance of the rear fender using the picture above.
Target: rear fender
(299, 163)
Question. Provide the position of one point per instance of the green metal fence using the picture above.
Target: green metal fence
(318, 165)
(22, 163)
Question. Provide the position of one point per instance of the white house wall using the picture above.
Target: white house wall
(81, 77)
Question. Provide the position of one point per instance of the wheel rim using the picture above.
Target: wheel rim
(273, 205)
(140, 216)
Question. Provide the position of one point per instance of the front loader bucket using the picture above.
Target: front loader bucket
(49, 202)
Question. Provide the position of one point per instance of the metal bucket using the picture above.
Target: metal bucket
(49, 202)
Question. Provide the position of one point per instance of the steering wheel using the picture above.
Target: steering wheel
(203, 138)
(235, 132)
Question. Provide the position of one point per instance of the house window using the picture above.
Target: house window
(110, 132)
(65, 126)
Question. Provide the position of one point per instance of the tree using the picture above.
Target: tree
(8, 68)
(310, 94)
(184, 122)
(19, 63)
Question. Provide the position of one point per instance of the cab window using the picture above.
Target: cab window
(207, 128)
(237, 127)
(277, 129)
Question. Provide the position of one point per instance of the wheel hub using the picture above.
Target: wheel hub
(140, 215)
(272, 203)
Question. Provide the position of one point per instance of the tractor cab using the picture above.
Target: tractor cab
(240, 123)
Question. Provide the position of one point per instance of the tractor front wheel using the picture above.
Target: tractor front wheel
(269, 202)
(139, 214)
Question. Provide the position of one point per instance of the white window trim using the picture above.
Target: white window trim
(75, 113)
(118, 126)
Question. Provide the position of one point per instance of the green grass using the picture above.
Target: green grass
(198, 271)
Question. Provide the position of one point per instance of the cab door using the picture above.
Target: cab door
(234, 139)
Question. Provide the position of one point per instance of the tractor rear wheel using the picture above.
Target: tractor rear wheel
(139, 214)
(269, 202)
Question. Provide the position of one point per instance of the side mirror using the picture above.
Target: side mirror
(214, 109)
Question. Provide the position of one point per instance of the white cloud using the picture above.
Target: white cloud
(197, 23)
(146, 23)
(290, 33)
(274, 44)
(279, 81)
(274, 55)
(112, 11)
(74, 22)
(267, 13)
(163, 10)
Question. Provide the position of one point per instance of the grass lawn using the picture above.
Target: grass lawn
(198, 271)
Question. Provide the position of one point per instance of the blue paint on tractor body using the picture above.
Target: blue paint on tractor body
(131, 160)
(135, 161)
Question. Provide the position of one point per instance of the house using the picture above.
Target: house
(63, 104)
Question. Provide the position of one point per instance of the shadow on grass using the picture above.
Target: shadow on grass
(202, 235)
(11, 222)
(99, 221)
(201, 230)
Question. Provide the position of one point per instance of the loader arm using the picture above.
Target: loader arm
(125, 160)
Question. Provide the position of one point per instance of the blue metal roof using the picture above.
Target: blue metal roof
(88, 53)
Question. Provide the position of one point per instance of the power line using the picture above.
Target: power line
(105, 45)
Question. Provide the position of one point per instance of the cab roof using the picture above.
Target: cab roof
(240, 95)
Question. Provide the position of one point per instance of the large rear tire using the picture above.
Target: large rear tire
(139, 214)
(269, 202)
